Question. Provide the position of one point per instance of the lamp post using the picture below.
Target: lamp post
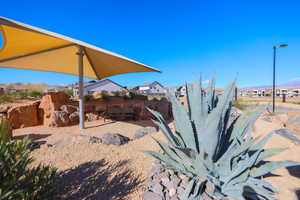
(274, 65)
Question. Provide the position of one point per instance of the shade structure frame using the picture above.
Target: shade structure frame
(80, 54)
(103, 62)
(32, 48)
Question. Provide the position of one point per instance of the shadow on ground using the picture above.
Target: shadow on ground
(294, 171)
(98, 180)
(31, 136)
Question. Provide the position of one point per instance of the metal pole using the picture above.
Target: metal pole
(274, 63)
(80, 54)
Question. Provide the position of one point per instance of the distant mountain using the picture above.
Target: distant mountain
(292, 83)
(28, 86)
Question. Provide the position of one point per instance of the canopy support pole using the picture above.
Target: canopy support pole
(80, 54)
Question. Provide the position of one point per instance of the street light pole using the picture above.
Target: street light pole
(274, 64)
(274, 68)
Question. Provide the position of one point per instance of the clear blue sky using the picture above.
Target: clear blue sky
(182, 38)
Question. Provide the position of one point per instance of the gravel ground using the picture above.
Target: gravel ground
(99, 171)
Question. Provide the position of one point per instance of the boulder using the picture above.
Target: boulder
(114, 138)
(152, 196)
(143, 131)
(4, 108)
(68, 109)
(24, 116)
(74, 118)
(59, 119)
(51, 102)
(92, 117)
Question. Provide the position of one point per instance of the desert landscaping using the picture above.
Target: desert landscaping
(82, 121)
(105, 160)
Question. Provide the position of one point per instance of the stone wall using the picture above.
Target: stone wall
(24, 115)
(50, 109)
(51, 102)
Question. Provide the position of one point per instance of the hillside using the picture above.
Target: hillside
(28, 86)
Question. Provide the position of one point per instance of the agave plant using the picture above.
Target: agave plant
(221, 158)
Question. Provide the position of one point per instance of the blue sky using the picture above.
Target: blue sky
(182, 38)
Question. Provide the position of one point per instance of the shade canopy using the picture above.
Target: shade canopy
(28, 47)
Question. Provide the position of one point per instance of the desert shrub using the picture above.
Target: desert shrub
(6, 98)
(5, 130)
(217, 153)
(69, 92)
(35, 94)
(18, 180)
(239, 105)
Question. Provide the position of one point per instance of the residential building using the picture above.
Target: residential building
(268, 92)
(152, 88)
(100, 86)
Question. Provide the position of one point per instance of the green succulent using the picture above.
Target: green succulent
(221, 158)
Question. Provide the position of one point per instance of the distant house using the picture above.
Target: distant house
(152, 88)
(100, 86)
(13, 90)
(55, 89)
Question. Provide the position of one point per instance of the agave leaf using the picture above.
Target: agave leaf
(182, 123)
(235, 193)
(261, 191)
(259, 146)
(163, 126)
(176, 155)
(243, 165)
(270, 166)
(198, 189)
(167, 150)
(215, 122)
(266, 153)
(211, 94)
(244, 123)
(188, 190)
(262, 183)
(168, 162)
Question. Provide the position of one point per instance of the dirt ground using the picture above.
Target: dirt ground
(99, 171)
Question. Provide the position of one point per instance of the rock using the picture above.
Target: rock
(114, 138)
(91, 139)
(94, 140)
(158, 189)
(92, 117)
(144, 131)
(172, 192)
(156, 167)
(23, 116)
(59, 119)
(74, 118)
(152, 196)
(175, 181)
(68, 109)
(51, 102)
(4, 108)
(184, 178)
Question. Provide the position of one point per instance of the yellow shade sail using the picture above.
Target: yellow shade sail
(28, 47)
